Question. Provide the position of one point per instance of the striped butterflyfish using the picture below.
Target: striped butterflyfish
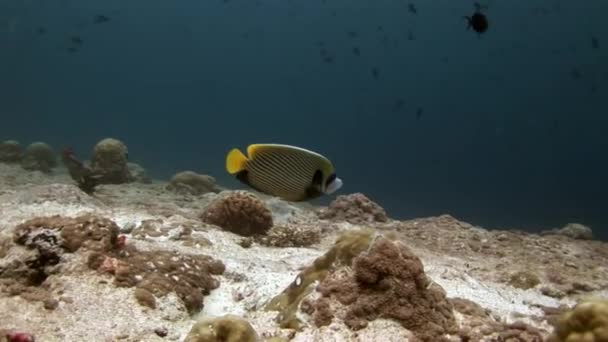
(290, 172)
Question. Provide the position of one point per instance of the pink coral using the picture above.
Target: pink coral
(18, 336)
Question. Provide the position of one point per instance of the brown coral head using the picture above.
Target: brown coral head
(354, 208)
(388, 281)
(239, 212)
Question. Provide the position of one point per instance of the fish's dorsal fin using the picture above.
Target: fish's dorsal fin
(255, 148)
(235, 161)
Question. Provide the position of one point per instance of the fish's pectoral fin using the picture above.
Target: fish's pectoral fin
(314, 190)
(235, 161)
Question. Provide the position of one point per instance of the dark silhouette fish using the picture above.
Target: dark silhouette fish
(100, 18)
(412, 8)
(76, 40)
(419, 113)
(356, 51)
(595, 43)
(399, 104)
(478, 21)
(375, 72)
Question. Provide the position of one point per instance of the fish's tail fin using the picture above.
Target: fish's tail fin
(468, 19)
(235, 161)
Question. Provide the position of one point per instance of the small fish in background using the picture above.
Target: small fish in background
(595, 43)
(290, 172)
(76, 40)
(576, 74)
(410, 35)
(353, 34)
(375, 72)
(411, 7)
(477, 21)
(325, 56)
(100, 19)
(41, 30)
(399, 104)
(419, 113)
(72, 49)
(356, 51)
(593, 88)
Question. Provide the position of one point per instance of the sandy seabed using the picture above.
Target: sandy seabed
(470, 264)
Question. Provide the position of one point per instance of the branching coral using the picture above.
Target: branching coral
(354, 208)
(239, 212)
(80, 173)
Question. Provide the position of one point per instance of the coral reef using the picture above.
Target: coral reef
(524, 280)
(132, 262)
(46, 240)
(138, 173)
(227, 328)
(157, 228)
(388, 281)
(347, 246)
(109, 160)
(354, 208)
(10, 152)
(193, 183)
(291, 235)
(39, 156)
(156, 274)
(586, 322)
(574, 231)
(239, 212)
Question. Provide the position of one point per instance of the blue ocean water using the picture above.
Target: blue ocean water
(505, 129)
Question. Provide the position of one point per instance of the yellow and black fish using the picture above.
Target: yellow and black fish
(289, 172)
